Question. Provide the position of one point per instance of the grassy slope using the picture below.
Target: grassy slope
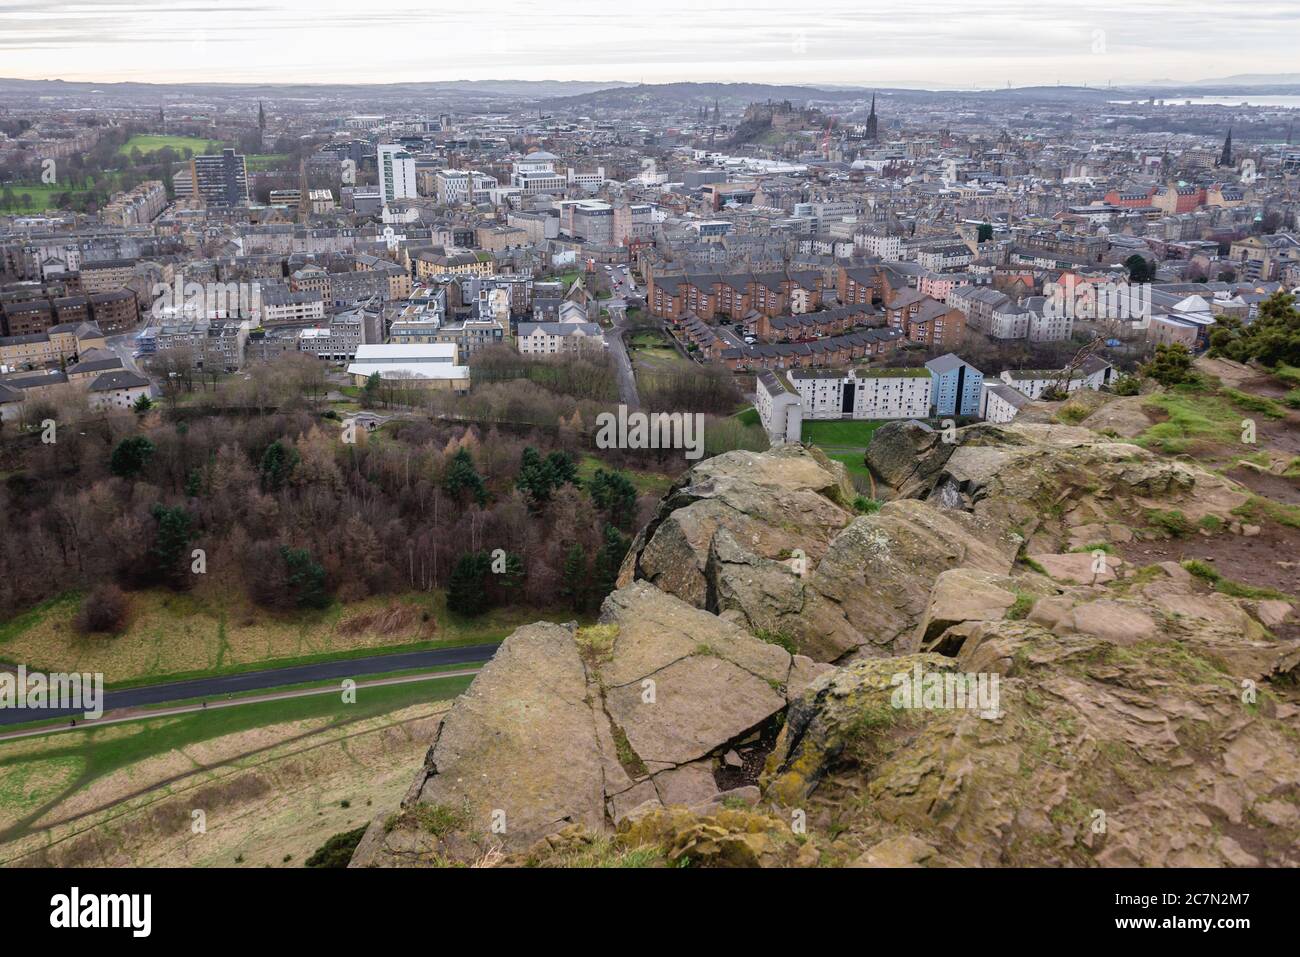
(171, 636)
(652, 483)
(1201, 416)
(115, 769)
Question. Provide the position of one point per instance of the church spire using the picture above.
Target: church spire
(1226, 158)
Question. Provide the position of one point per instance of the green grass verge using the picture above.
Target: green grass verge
(840, 433)
(148, 143)
(431, 673)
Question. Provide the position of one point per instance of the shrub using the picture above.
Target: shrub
(103, 610)
(1174, 522)
(1171, 365)
(337, 851)
(1127, 385)
(865, 506)
(779, 638)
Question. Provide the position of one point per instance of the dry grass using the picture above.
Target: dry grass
(170, 634)
(269, 792)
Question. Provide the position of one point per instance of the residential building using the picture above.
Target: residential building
(956, 386)
(220, 180)
(396, 173)
(780, 409)
(552, 338)
(863, 393)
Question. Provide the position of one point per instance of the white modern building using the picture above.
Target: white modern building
(1001, 402)
(1092, 373)
(396, 173)
(535, 173)
(453, 186)
(779, 409)
(863, 393)
(423, 365)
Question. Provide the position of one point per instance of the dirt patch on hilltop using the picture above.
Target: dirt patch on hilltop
(1270, 559)
(1277, 487)
(1280, 434)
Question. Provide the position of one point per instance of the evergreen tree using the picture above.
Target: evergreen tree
(1171, 365)
(131, 456)
(615, 496)
(540, 478)
(505, 584)
(1139, 270)
(305, 578)
(465, 589)
(168, 553)
(573, 579)
(278, 463)
(563, 469)
(1273, 337)
(535, 478)
(609, 559)
(462, 477)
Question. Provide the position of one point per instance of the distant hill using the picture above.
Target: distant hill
(503, 89)
(732, 95)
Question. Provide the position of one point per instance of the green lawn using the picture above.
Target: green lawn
(840, 433)
(853, 461)
(148, 143)
(749, 416)
(263, 161)
(38, 197)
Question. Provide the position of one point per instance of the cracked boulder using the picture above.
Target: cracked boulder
(584, 727)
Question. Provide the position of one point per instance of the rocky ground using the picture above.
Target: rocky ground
(985, 670)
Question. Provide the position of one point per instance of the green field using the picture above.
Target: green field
(260, 162)
(84, 757)
(38, 197)
(840, 433)
(853, 461)
(148, 143)
(749, 416)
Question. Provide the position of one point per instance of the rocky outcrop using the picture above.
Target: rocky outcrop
(1126, 732)
(569, 726)
(964, 675)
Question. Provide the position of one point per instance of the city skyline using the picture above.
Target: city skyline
(943, 46)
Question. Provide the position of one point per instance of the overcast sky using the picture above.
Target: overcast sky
(944, 43)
